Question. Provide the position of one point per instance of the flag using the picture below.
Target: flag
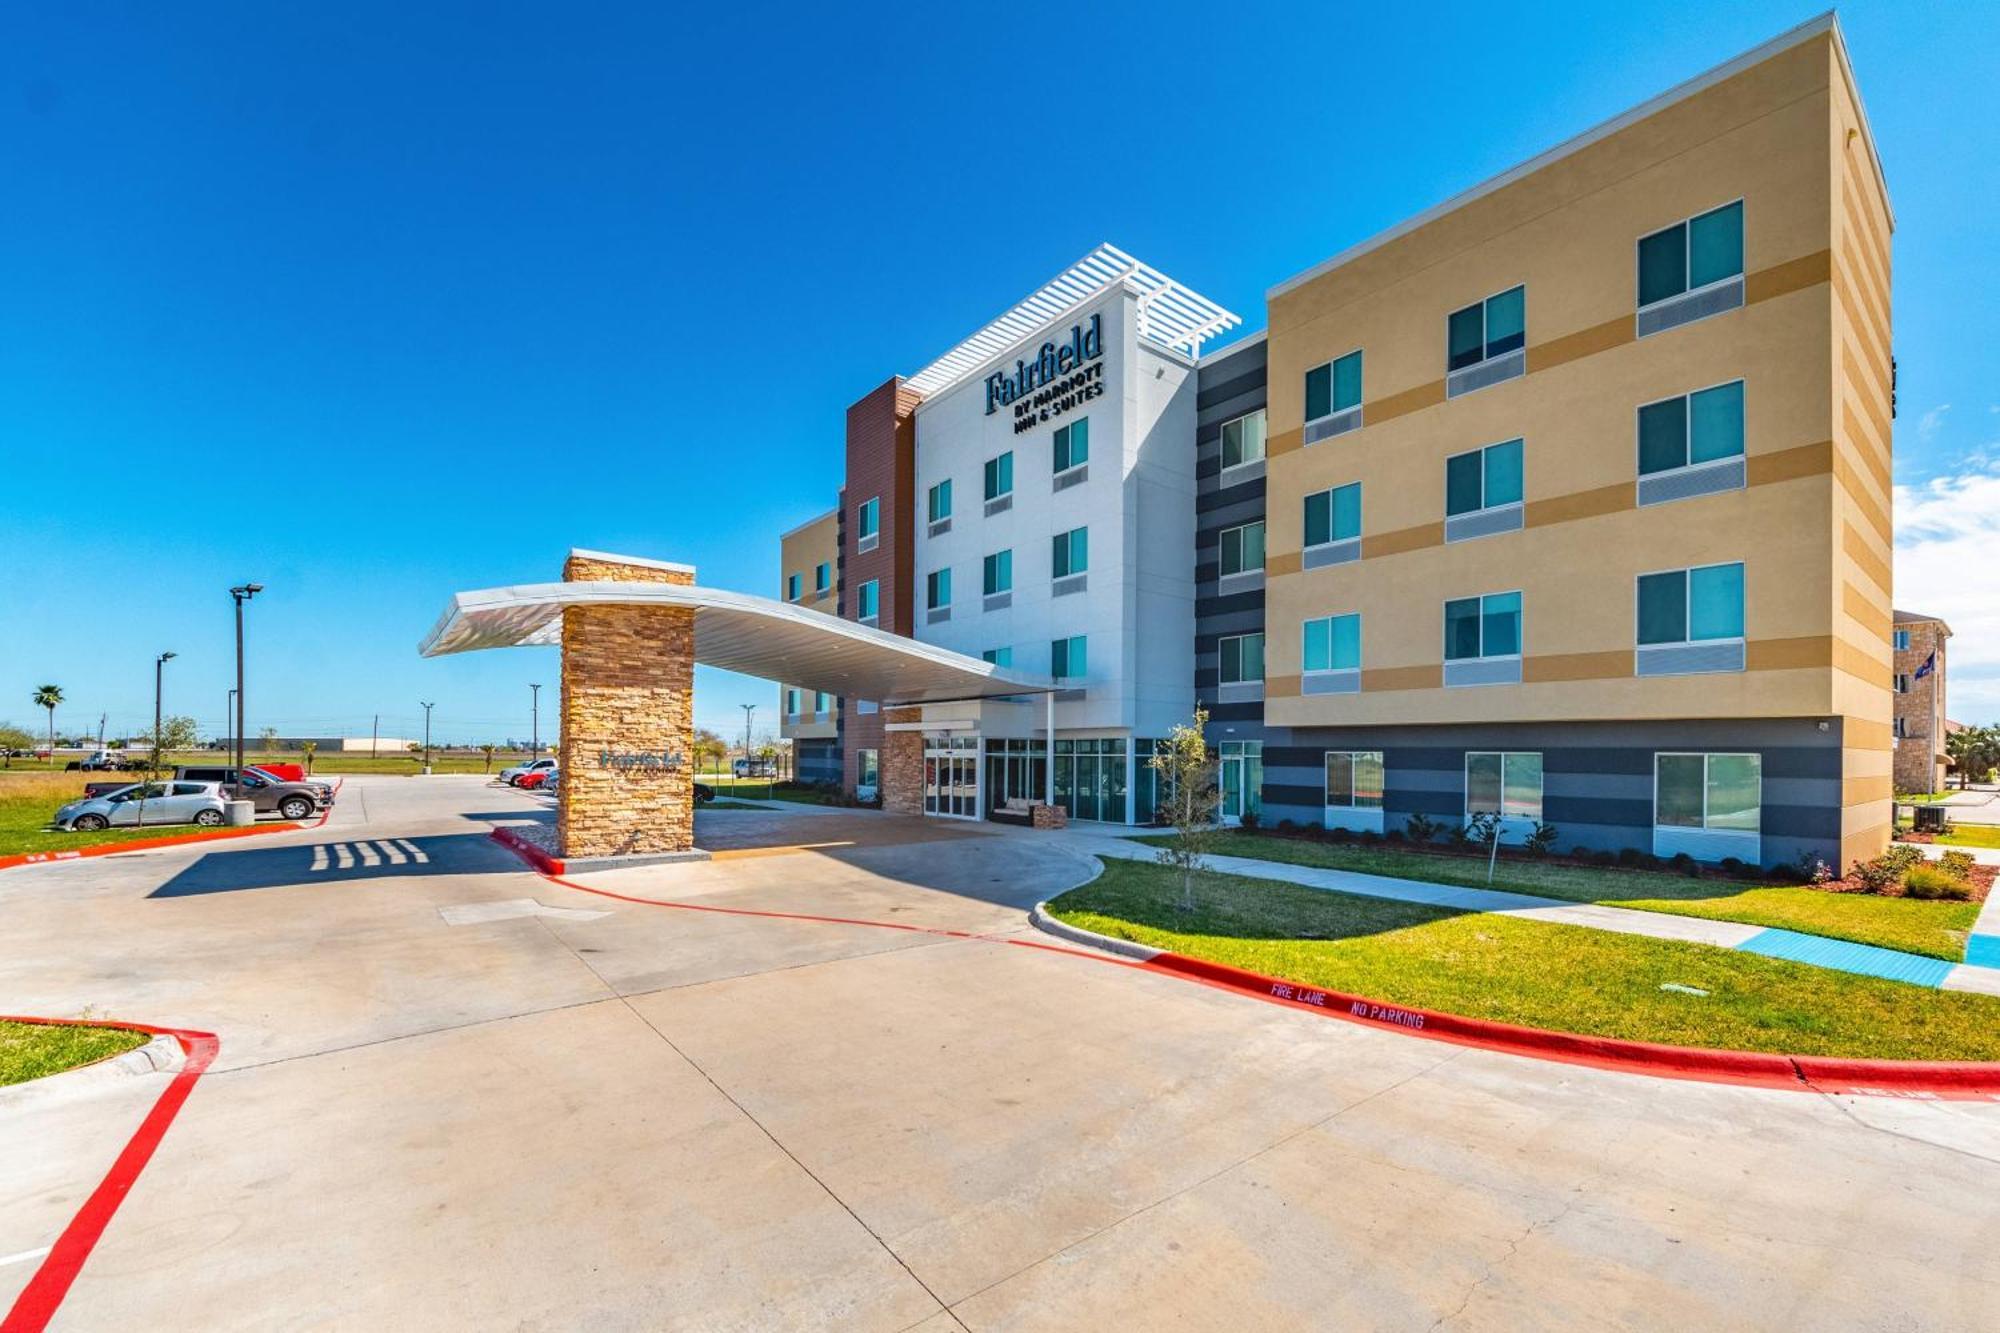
(1929, 664)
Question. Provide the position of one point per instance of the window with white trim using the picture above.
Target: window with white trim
(1072, 445)
(1070, 553)
(1354, 779)
(1486, 329)
(997, 575)
(791, 587)
(937, 589)
(868, 600)
(1240, 658)
(1333, 387)
(1243, 440)
(1069, 659)
(1690, 255)
(1000, 657)
(1694, 428)
(1479, 627)
(1333, 515)
(822, 576)
(1488, 478)
(868, 520)
(940, 500)
(1241, 549)
(1722, 792)
(1331, 643)
(1000, 475)
(1507, 783)
(1699, 605)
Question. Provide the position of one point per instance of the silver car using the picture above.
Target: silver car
(163, 803)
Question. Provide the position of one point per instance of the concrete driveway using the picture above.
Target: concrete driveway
(452, 1094)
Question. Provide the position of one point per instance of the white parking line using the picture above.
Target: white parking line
(368, 856)
(23, 1256)
(346, 857)
(418, 856)
(396, 857)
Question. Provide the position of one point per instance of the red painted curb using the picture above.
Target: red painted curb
(13, 859)
(38, 1301)
(529, 852)
(1943, 1080)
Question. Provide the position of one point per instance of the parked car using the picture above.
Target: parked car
(756, 768)
(282, 772)
(292, 800)
(104, 761)
(538, 778)
(159, 802)
(512, 776)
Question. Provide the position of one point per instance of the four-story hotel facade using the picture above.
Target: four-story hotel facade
(1566, 501)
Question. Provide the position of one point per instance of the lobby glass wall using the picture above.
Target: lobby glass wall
(1090, 778)
(1016, 770)
(951, 775)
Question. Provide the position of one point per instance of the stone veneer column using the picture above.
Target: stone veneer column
(902, 772)
(627, 689)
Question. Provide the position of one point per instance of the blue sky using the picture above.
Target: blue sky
(371, 303)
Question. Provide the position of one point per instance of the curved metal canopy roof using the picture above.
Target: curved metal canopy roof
(740, 632)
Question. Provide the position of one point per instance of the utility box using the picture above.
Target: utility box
(239, 814)
(1928, 819)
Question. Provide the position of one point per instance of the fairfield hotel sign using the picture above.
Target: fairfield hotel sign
(1063, 376)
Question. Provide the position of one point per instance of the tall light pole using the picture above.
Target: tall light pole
(748, 709)
(228, 712)
(427, 734)
(159, 663)
(242, 593)
(534, 722)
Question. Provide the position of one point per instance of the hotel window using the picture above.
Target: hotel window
(1690, 255)
(867, 601)
(791, 587)
(1482, 629)
(791, 702)
(1698, 605)
(940, 500)
(1901, 729)
(1487, 329)
(1333, 387)
(1241, 658)
(1331, 643)
(937, 585)
(822, 576)
(1070, 552)
(1507, 784)
(1354, 779)
(1334, 516)
(822, 702)
(1000, 475)
(1242, 549)
(869, 521)
(1000, 657)
(868, 770)
(1243, 440)
(1484, 479)
(1692, 429)
(1717, 792)
(998, 575)
(1902, 682)
(1073, 445)
(1900, 640)
(1069, 659)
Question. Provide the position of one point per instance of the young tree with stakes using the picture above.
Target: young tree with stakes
(1189, 800)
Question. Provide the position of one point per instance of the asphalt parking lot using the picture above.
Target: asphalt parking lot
(454, 1094)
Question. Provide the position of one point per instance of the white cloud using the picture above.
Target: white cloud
(1948, 565)
(1930, 422)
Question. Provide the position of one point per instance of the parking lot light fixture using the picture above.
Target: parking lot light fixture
(241, 593)
(534, 722)
(427, 734)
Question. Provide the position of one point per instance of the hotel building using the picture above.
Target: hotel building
(1566, 500)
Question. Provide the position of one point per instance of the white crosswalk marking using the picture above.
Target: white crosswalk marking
(390, 850)
(319, 857)
(368, 856)
(415, 853)
(345, 857)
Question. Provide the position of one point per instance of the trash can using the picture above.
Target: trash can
(237, 814)
(1928, 819)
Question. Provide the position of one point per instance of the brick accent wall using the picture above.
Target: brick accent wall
(627, 687)
(881, 463)
(902, 765)
(1920, 711)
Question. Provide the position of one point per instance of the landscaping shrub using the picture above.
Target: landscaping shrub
(1340, 834)
(1543, 840)
(1370, 837)
(1685, 864)
(1732, 865)
(1420, 827)
(1785, 872)
(1394, 834)
(1606, 858)
(1934, 882)
(1581, 853)
(1957, 864)
(1631, 856)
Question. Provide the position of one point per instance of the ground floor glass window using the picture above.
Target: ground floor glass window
(951, 775)
(1709, 791)
(1507, 784)
(1242, 779)
(1354, 779)
(1090, 778)
(1016, 770)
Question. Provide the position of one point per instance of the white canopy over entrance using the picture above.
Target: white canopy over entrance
(737, 631)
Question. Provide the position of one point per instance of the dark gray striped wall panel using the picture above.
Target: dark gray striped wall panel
(1226, 388)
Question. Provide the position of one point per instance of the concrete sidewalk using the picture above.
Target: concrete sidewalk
(1981, 974)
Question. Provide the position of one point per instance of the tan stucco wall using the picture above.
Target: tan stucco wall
(627, 687)
(801, 551)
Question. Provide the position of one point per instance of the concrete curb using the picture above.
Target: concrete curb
(15, 859)
(1926, 1079)
(528, 851)
(161, 1054)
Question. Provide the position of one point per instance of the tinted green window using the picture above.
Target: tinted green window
(1715, 423)
(1662, 436)
(791, 587)
(1503, 473)
(1000, 475)
(1319, 392)
(1000, 657)
(1715, 602)
(1068, 657)
(1483, 777)
(1241, 658)
(1735, 790)
(1521, 785)
(940, 500)
(1464, 483)
(1346, 642)
(940, 588)
(999, 573)
(1242, 548)
(1663, 607)
(1319, 518)
(1073, 445)
(1347, 382)
(1715, 245)
(822, 576)
(1678, 794)
(1243, 439)
(1333, 516)
(1465, 340)
(1506, 321)
(1461, 629)
(871, 514)
(1070, 552)
(1663, 264)
(1500, 625)
(865, 601)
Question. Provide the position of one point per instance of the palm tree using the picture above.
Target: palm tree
(48, 696)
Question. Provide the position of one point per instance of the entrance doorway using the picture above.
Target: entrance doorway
(1242, 780)
(951, 775)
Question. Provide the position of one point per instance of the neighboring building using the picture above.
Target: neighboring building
(809, 564)
(1570, 503)
(1918, 642)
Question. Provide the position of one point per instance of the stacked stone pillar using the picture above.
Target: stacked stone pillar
(902, 775)
(627, 784)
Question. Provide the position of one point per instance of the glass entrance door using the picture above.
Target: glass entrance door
(951, 776)
(1242, 779)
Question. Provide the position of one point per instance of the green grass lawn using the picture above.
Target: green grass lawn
(1972, 835)
(1566, 978)
(1934, 929)
(27, 801)
(762, 789)
(325, 763)
(720, 804)
(32, 1050)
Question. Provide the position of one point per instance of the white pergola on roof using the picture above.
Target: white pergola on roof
(1169, 314)
(739, 632)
